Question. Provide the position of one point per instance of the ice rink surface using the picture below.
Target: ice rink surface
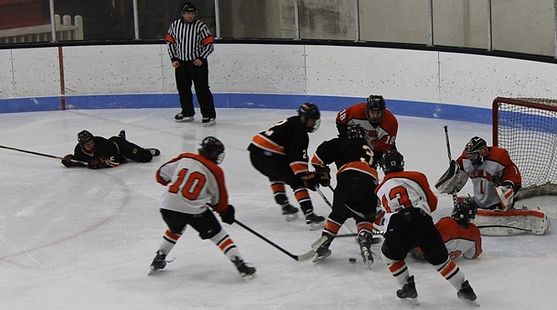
(84, 239)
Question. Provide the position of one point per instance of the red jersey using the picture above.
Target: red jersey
(382, 136)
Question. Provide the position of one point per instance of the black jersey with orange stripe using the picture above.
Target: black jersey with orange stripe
(341, 151)
(287, 138)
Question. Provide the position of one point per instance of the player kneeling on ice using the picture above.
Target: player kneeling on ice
(408, 202)
(195, 187)
(99, 152)
(461, 237)
(354, 195)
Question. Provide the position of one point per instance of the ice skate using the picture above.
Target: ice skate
(365, 240)
(314, 221)
(321, 253)
(408, 291)
(466, 293)
(159, 262)
(182, 118)
(154, 151)
(290, 211)
(245, 271)
(208, 122)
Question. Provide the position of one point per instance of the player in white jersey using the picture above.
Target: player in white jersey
(408, 202)
(195, 185)
(494, 175)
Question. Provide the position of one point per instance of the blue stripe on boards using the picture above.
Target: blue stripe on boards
(252, 101)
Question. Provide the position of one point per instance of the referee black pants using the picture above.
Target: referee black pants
(187, 73)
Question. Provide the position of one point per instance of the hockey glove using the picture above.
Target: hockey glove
(311, 181)
(323, 175)
(69, 162)
(228, 215)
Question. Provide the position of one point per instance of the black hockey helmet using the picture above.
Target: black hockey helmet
(84, 137)
(188, 7)
(464, 211)
(392, 161)
(475, 150)
(355, 132)
(309, 111)
(374, 109)
(212, 149)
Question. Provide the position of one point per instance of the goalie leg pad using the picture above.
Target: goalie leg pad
(513, 222)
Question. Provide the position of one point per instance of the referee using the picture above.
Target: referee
(189, 44)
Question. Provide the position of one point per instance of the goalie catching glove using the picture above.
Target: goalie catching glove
(453, 180)
(506, 194)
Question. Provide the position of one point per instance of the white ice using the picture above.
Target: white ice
(82, 239)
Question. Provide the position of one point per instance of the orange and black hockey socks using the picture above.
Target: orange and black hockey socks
(226, 245)
(331, 228)
(398, 269)
(169, 240)
(364, 227)
(279, 193)
(450, 271)
(302, 196)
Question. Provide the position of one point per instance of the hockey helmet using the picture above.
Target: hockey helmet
(355, 132)
(307, 112)
(392, 161)
(212, 149)
(84, 137)
(374, 109)
(475, 150)
(464, 211)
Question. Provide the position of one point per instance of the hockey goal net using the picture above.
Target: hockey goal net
(527, 129)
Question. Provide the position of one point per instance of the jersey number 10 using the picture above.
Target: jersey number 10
(192, 185)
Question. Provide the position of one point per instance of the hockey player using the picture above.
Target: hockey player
(280, 153)
(461, 237)
(354, 195)
(195, 188)
(408, 202)
(99, 152)
(373, 116)
(495, 178)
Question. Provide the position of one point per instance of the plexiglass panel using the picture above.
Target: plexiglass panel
(327, 19)
(524, 26)
(25, 21)
(405, 21)
(461, 23)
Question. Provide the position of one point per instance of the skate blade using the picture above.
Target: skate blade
(248, 277)
(473, 303)
(319, 259)
(316, 226)
(291, 217)
(411, 301)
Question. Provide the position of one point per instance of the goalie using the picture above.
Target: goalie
(495, 177)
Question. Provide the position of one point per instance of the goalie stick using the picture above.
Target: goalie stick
(303, 257)
(41, 154)
(450, 156)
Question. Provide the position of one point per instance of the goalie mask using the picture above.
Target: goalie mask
(392, 161)
(212, 149)
(309, 116)
(374, 109)
(475, 150)
(464, 211)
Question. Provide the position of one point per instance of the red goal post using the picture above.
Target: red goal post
(527, 129)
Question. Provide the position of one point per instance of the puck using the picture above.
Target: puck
(352, 260)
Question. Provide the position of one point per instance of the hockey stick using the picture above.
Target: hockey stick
(41, 154)
(505, 226)
(300, 258)
(450, 157)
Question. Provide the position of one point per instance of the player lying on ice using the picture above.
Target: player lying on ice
(98, 152)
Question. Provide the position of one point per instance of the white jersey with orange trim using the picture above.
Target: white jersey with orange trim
(496, 168)
(382, 137)
(193, 183)
(459, 240)
(405, 189)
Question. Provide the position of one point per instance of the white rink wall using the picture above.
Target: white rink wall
(427, 76)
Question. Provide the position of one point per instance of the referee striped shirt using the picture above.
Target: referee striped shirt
(189, 41)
